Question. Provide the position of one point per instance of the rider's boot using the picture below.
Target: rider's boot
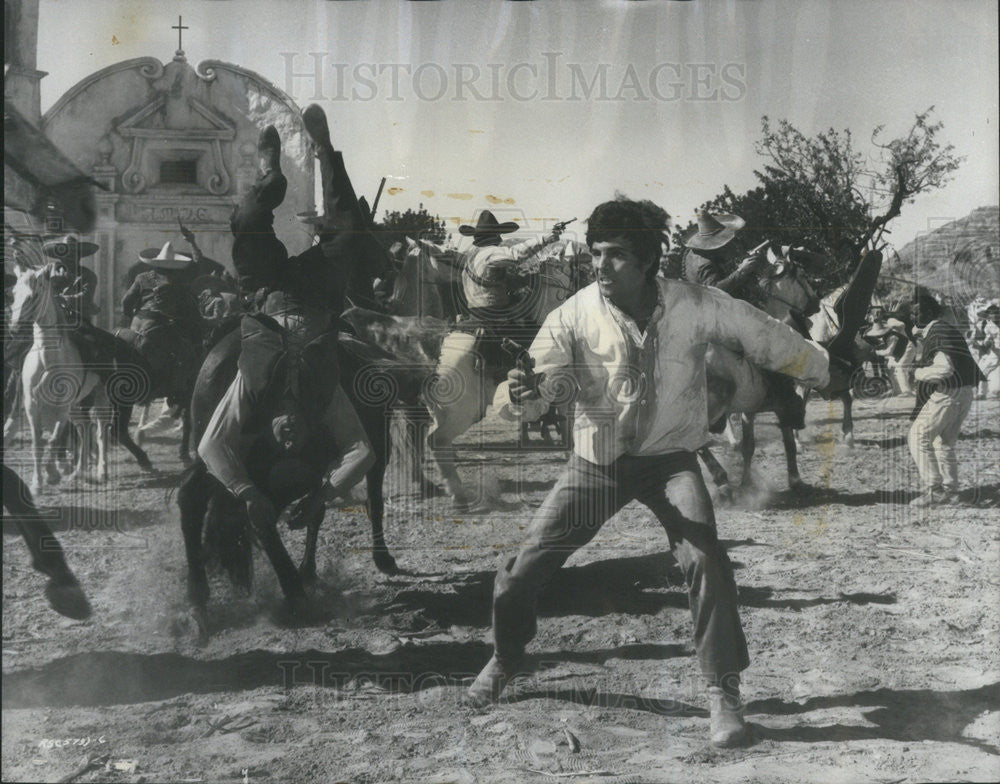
(340, 202)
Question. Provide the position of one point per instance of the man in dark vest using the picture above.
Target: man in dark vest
(947, 377)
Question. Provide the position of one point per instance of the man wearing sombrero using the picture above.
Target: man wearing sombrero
(74, 285)
(484, 277)
(162, 296)
(710, 250)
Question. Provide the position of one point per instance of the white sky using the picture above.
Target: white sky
(846, 64)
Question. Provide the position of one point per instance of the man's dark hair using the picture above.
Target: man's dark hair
(642, 224)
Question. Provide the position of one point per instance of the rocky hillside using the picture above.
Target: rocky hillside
(959, 261)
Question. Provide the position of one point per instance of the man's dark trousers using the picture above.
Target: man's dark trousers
(582, 500)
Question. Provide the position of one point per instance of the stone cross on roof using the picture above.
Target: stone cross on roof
(180, 27)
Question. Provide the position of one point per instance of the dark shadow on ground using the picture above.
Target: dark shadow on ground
(117, 678)
(639, 585)
(821, 496)
(908, 715)
(596, 698)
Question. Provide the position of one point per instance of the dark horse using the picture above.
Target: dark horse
(211, 518)
(62, 590)
(173, 360)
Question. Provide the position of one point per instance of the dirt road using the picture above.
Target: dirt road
(874, 635)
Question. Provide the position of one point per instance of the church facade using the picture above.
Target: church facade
(172, 142)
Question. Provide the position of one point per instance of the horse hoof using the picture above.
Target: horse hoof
(385, 563)
(798, 487)
(296, 611)
(68, 599)
(200, 618)
(849, 440)
(308, 575)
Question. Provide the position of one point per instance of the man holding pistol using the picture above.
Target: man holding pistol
(632, 344)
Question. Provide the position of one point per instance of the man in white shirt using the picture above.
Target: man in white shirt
(633, 345)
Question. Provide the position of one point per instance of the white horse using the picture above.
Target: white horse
(57, 387)
(462, 387)
(425, 281)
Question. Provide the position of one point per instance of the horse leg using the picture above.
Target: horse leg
(291, 582)
(848, 426)
(375, 506)
(141, 424)
(63, 589)
(192, 501)
(719, 475)
(450, 422)
(185, 447)
(806, 391)
(55, 446)
(121, 415)
(791, 459)
(748, 447)
(103, 424)
(415, 445)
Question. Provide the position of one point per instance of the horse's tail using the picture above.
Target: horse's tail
(228, 538)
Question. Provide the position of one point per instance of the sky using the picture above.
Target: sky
(541, 110)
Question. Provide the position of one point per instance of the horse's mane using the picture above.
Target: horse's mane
(411, 339)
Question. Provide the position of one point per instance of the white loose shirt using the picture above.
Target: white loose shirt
(645, 393)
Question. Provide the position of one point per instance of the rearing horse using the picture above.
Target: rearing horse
(735, 387)
(789, 293)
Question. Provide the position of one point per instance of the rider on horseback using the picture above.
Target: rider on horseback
(709, 251)
(161, 298)
(484, 281)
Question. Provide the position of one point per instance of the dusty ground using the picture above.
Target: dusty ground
(874, 634)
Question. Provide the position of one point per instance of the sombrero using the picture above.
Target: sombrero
(714, 230)
(164, 258)
(69, 248)
(487, 226)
